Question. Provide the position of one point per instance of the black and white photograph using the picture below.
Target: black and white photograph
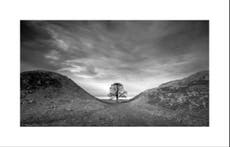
(124, 73)
(114, 73)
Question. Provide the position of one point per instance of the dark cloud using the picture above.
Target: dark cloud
(181, 36)
(140, 54)
(33, 30)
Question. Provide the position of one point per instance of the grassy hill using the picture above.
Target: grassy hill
(185, 100)
(50, 99)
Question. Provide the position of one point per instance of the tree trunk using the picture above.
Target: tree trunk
(117, 94)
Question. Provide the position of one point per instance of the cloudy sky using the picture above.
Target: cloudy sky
(95, 54)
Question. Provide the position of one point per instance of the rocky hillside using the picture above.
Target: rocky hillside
(47, 97)
(187, 99)
(192, 91)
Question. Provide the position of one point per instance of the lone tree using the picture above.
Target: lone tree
(117, 90)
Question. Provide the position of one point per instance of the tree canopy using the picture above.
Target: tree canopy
(117, 90)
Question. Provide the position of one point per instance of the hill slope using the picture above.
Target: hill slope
(48, 97)
(186, 100)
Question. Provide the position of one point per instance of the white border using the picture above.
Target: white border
(217, 11)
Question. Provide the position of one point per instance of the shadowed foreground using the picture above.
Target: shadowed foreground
(50, 99)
